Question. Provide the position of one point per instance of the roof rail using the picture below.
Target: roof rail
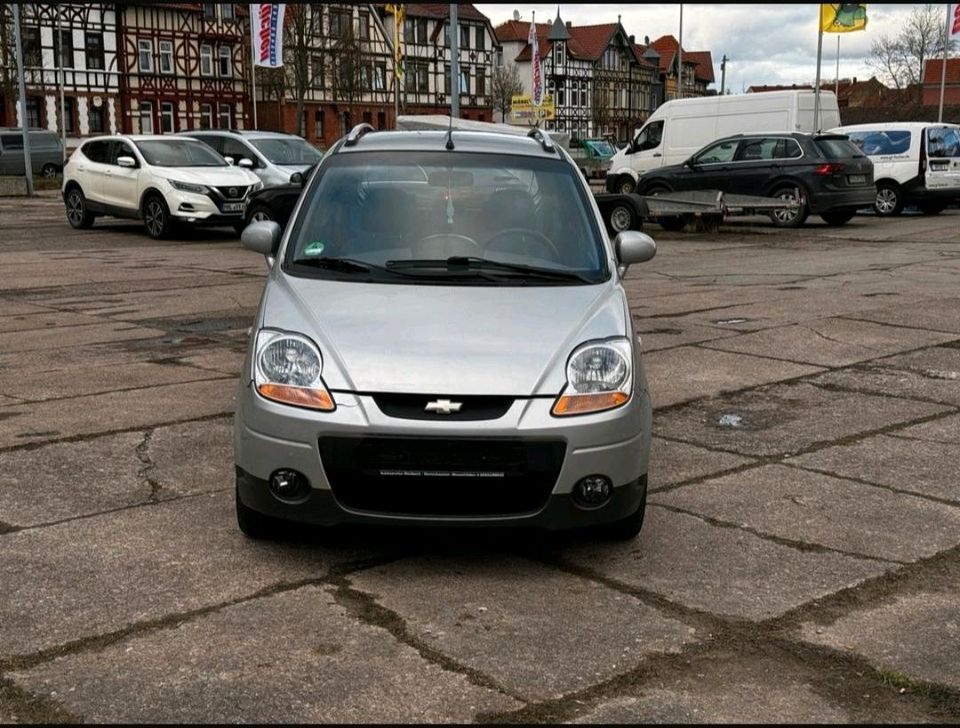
(545, 141)
(356, 132)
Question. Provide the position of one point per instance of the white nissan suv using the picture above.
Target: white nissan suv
(159, 179)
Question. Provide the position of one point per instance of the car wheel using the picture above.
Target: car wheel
(78, 215)
(260, 213)
(626, 528)
(889, 200)
(932, 208)
(837, 217)
(622, 217)
(253, 524)
(673, 223)
(156, 217)
(626, 185)
(49, 170)
(794, 218)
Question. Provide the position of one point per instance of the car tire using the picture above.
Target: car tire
(783, 218)
(932, 208)
(78, 215)
(837, 217)
(259, 213)
(253, 524)
(626, 185)
(889, 200)
(49, 170)
(627, 528)
(156, 217)
(622, 217)
(673, 223)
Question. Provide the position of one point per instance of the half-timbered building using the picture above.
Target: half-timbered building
(72, 47)
(697, 68)
(183, 66)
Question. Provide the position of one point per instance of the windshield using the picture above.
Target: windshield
(838, 148)
(179, 153)
(601, 148)
(943, 141)
(286, 151)
(448, 217)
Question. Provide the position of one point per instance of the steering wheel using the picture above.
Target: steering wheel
(446, 245)
(546, 242)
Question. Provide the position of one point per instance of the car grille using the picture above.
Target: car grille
(233, 192)
(441, 476)
(414, 407)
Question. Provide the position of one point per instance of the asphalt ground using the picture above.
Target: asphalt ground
(800, 560)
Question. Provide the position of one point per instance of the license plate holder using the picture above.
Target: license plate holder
(233, 206)
(857, 179)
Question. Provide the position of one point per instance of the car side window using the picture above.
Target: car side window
(12, 141)
(120, 149)
(650, 137)
(236, 149)
(757, 150)
(787, 149)
(96, 151)
(718, 153)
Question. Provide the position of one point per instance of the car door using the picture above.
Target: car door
(120, 184)
(90, 169)
(11, 154)
(753, 165)
(709, 168)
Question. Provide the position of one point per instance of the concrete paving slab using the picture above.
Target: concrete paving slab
(296, 655)
(785, 418)
(723, 571)
(535, 630)
(15, 307)
(667, 333)
(192, 457)
(221, 360)
(874, 379)
(97, 575)
(134, 306)
(63, 336)
(732, 689)
(688, 373)
(66, 480)
(674, 462)
(818, 509)
(830, 342)
(24, 424)
(939, 315)
(45, 320)
(927, 468)
(914, 635)
(943, 430)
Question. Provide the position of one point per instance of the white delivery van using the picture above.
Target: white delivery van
(914, 163)
(679, 128)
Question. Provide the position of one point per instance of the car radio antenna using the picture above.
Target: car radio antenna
(449, 144)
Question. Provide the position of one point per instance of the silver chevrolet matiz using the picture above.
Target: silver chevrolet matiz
(444, 339)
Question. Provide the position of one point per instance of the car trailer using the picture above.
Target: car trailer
(675, 210)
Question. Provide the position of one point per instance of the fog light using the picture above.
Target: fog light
(592, 491)
(288, 485)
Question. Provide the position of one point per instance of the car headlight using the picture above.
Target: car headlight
(258, 185)
(599, 377)
(287, 370)
(188, 187)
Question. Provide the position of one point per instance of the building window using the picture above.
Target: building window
(318, 119)
(206, 60)
(167, 118)
(68, 114)
(381, 120)
(367, 118)
(93, 46)
(226, 11)
(31, 46)
(379, 76)
(316, 19)
(481, 81)
(316, 71)
(206, 116)
(464, 36)
(345, 123)
(365, 82)
(364, 27)
(417, 76)
(226, 61)
(464, 80)
(63, 48)
(146, 117)
(166, 56)
(446, 79)
(415, 30)
(481, 39)
(209, 11)
(34, 117)
(145, 48)
(561, 53)
(226, 116)
(340, 23)
(95, 116)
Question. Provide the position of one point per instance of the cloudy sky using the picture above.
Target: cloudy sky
(765, 43)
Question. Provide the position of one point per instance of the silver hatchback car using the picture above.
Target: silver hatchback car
(444, 339)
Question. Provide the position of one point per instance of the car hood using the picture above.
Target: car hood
(451, 340)
(215, 176)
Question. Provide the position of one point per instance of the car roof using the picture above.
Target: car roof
(892, 126)
(243, 133)
(435, 141)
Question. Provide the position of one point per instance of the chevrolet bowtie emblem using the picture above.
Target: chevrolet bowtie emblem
(443, 406)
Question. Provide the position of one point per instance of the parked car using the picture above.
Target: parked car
(46, 152)
(273, 156)
(914, 163)
(277, 203)
(443, 338)
(824, 173)
(161, 180)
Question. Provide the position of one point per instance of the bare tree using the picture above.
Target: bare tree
(900, 59)
(504, 86)
(8, 58)
(600, 109)
(349, 66)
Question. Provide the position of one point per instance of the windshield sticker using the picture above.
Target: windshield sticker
(315, 248)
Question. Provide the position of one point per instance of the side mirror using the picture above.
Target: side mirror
(229, 160)
(262, 237)
(245, 163)
(689, 163)
(128, 162)
(296, 178)
(632, 247)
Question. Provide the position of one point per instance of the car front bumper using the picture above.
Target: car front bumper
(270, 436)
(195, 208)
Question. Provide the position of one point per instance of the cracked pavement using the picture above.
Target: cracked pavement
(800, 560)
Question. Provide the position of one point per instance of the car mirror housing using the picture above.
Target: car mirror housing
(296, 178)
(229, 160)
(632, 247)
(262, 237)
(128, 162)
(245, 163)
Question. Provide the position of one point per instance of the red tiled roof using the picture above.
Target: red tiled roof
(704, 61)
(592, 39)
(666, 46)
(934, 67)
(639, 50)
(465, 11)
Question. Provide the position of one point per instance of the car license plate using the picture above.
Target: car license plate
(233, 207)
(858, 179)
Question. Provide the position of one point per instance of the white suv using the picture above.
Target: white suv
(159, 179)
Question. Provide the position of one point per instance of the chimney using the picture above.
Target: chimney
(633, 40)
(569, 25)
(854, 79)
(646, 40)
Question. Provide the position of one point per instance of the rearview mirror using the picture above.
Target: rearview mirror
(632, 247)
(245, 163)
(262, 237)
(127, 162)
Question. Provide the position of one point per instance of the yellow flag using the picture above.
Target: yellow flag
(843, 17)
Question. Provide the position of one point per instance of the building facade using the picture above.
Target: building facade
(697, 72)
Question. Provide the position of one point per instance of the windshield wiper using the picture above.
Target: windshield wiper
(460, 264)
(344, 265)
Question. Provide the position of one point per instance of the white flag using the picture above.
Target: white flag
(536, 92)
(954, 28)
(266, 27)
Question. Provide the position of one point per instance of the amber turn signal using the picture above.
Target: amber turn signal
(580, 404)
(318, 399)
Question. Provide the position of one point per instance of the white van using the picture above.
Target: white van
(679, 128)
(914, 163)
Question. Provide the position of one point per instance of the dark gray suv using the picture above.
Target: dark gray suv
(826, 173)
